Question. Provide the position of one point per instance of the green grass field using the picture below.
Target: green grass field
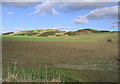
(98, 37)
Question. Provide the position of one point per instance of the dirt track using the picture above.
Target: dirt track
(51, 53)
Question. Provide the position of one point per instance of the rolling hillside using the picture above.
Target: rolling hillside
(54, 32)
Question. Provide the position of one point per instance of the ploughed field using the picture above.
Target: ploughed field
(64, 61)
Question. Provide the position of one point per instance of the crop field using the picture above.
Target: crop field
(60, 59)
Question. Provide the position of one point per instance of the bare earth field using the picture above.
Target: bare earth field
(50, 53)
(90, 61)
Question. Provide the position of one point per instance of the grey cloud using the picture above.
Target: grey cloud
(19, 3)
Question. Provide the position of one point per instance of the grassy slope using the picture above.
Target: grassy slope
(95, 37)
(83, 38)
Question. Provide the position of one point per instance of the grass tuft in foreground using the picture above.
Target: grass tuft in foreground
(13, 73)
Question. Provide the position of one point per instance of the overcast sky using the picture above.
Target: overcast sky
(68, 16)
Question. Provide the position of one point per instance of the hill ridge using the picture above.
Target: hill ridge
(54, 32)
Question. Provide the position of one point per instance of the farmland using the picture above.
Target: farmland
(85, 58)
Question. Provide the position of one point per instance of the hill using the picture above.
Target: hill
(54, 32)
(84, 31)
(44, 33)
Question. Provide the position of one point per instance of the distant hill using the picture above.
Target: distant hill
(44, 33)
(54, 32)
(7, 33)
(84, 31)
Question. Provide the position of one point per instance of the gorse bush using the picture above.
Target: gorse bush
(48, 33)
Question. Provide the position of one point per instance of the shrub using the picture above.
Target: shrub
(48, 33)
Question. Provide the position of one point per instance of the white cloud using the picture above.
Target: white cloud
(47, 7)
(102, 13)
(10, 13)
(80, 20)
(66, 6)
(19, 29)
(50, 7)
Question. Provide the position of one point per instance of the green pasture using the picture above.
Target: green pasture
(93, 37)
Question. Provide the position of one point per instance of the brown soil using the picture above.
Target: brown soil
(53, 53)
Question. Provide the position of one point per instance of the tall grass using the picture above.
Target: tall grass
(13, 73)
(16, 73)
